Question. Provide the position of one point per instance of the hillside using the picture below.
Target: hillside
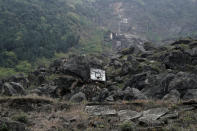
(36, 29)
(98, 65)
(153, 19)
(33, 32)
(150, 89)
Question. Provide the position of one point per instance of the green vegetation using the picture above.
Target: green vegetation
(3, 127)
(36, 29)
(35, 32)
(6, 72)
(21, 117)
(127, 126)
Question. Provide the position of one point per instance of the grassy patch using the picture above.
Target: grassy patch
(127, 126)
(3, 127)
(21, 117)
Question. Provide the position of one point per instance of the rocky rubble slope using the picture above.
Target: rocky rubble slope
(150, 89)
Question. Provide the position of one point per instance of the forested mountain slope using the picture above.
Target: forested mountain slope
(32, 31)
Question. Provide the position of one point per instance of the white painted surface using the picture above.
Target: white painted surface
(111, 36)
(125, 21)
(97, 74)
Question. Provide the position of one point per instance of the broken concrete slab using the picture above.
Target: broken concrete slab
(99, 110)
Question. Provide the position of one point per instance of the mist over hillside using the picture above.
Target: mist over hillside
(156, 20)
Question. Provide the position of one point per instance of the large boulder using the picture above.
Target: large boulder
(133, 94)
(177, 60)
(158, 85)
(19, 78)
(45, 90)
(150, 117)
(79, 97)
(162, 84)
(127, 115)
(191, 94)
(61, 86)
(172, 96)
(78, 66)
(155, 113)
(138, 81)
(100, 110)
(182, 82)
(11, 89)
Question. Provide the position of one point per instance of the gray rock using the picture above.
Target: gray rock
(150, 117)
(127, 51)
(172, 115)
(138, 94)
(186, 108)
(119, 94)
(94, 92)
(79, 97)
(100, 110)
(12, 88)
(45, 90)
(183, 81)
(19, 78)
(172, 96)
(138, 81)
(126, 115)
(177, 59)
(193, 44)
(133, 94)
(191, 94)
(18, 87)
(8, 125)
(103, 94)
(117, 64)
(155, 113)
(7, 90)
(118, 79)
(182, 41)
(126, 68)
(162, 84)
(64, 85)
(192, 52)
(149, 46)
(110, 98)
(158, 85)
(79, 66)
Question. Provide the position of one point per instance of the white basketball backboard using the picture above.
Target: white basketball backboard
(97, 75)
(124, 20)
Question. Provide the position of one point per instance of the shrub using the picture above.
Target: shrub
(3, 127)
(22, 117)
(127, 126)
